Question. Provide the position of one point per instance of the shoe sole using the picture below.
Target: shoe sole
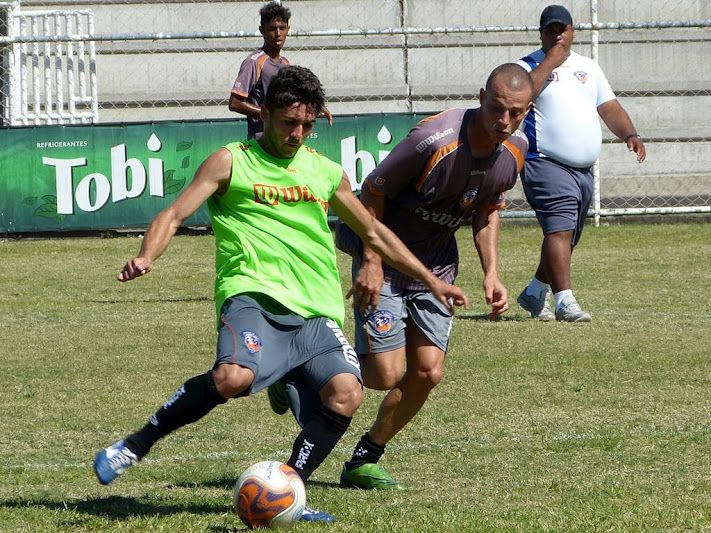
(345, 484)
(545, 318)
(582, 319)
(96, 470)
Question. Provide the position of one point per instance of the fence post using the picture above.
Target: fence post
(594, 37)
(406, 54)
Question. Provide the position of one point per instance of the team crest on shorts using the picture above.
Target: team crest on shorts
(251, 341)
(381, 322)
(469, 196)
(581, 75)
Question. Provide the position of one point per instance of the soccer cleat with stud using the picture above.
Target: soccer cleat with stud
(312, 515)
(571, 312)
(113, 461)
(368, 476)
(537, 306)
(277, 398)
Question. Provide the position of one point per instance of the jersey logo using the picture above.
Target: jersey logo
(381, 322)
(581, 75)
(469, 196)
(251, 341)
(437, 217)
(272, 195)
(420, 147)
(553, 77)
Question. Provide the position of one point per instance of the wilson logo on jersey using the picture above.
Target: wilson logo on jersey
(432, 138)
(272, 195)
(581, 75)
(381, 322)
(251, 341)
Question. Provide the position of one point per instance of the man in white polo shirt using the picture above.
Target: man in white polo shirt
(565, 139)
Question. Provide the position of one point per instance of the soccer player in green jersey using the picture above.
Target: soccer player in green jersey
(277, 291)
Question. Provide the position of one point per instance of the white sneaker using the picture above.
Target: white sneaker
(571, 312)
(113, 461)
(538, 307)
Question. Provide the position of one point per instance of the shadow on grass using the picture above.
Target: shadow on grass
(154, 300)
(228, 483)
(118, 507)
(485, 318)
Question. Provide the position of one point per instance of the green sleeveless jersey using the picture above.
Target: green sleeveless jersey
(271, 231)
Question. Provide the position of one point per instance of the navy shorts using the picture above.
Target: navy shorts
(276, 342)
(559, 194)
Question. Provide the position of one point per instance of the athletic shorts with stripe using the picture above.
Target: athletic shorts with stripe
(274, 342)
(384, 329)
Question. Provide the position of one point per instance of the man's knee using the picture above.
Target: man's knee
(343, 394)
(430, 377)
(231, 380)
(383, 371)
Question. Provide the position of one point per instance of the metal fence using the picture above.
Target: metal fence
(131, 60)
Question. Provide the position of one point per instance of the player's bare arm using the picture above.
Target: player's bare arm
(369, 279)
(212, 176)
(383, 241)
(239, 104)
(619, 122)
(485, 230)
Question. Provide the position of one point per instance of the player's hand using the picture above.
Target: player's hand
(496, 296)
(636, 145)
(366, 287)
(136, 267)
(449, 295)
(327, 113)
(557, 54)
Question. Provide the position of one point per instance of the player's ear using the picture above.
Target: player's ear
(261, 30)
(264, 113)
(482, 95)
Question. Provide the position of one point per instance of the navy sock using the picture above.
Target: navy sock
(317, 440)
(366, 451)
(193, 400)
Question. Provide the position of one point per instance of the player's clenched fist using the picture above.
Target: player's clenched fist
(134, 268)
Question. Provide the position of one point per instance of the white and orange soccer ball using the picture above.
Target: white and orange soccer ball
(269, 494)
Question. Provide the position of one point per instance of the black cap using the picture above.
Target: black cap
(553, 14)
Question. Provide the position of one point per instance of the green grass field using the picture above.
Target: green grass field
(536, 427)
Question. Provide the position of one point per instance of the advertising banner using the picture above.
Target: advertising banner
(102, 177)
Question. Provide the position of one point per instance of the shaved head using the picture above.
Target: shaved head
(511, 76)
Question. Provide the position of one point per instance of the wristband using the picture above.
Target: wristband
(633, 135)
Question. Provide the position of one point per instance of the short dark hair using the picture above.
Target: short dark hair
(271, 11)
(513, 75)
(294, 84)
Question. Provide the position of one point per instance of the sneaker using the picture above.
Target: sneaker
(538, 307)
(277, 398)
(368, 476)
(571, 312)
(312, 515)
(113, 461)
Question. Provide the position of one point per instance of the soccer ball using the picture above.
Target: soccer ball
(269, 494)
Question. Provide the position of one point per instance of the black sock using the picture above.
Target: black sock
(197, 397)
(317, 440)
(366, 451)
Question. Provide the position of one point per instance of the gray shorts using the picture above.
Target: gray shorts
(384, 329)
(559, 194)
(276, 342)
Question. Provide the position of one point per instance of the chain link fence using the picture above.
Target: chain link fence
(131, 60)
